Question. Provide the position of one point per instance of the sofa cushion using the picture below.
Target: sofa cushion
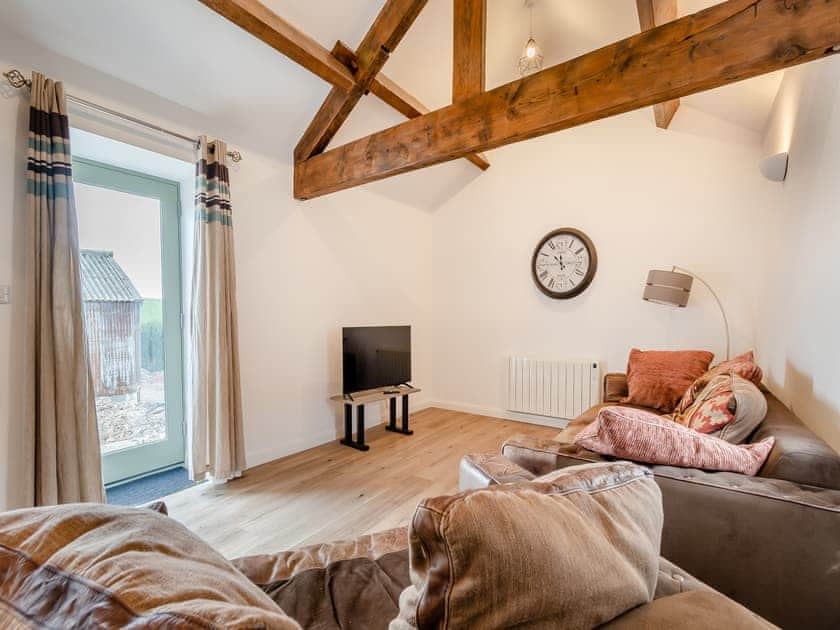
(646, 437)
(356, 583)
(711, 409)
(97, 566)
(743, 366)
(659, 378)
(483, 558)
(750, 411)
(729, 407)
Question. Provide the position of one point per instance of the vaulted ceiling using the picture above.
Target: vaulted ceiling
(185, 53)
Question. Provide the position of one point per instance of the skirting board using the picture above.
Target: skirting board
(494, 412)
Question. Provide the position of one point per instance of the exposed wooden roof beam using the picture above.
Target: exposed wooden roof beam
(270, 28)
(382, 38)
(337, 67)
(653, 13)
(392, 94)
(725, 43)
(469, 36)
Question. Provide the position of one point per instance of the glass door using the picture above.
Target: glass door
(131, 291)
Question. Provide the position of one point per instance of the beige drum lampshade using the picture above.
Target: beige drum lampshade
(667, 287)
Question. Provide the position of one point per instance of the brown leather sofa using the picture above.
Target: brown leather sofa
(356, 584)
(93, 566)
(770, 542)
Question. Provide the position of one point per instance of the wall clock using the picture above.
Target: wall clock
(564, 263)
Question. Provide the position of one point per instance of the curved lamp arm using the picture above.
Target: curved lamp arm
(714, 295)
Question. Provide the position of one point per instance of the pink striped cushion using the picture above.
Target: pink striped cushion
(645, 437)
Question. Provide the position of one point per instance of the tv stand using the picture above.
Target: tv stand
(358, 400)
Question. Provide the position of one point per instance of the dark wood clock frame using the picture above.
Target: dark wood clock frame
(587, 279)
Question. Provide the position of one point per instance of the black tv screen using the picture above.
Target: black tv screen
(375, 356)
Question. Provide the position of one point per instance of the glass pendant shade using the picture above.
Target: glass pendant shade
(531, 60)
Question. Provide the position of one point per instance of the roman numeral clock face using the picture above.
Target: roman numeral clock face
(564, 263)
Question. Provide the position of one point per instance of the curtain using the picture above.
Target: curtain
(217, 446)
(61, 438)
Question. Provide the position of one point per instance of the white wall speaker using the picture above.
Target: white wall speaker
(774, 167)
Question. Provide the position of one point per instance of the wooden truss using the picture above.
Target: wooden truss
(670, 58)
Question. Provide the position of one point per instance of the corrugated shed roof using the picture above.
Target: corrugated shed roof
(103, 280)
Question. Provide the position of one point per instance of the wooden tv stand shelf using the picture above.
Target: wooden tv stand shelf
(358, 400)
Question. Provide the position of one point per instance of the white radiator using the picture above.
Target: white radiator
(561, 389)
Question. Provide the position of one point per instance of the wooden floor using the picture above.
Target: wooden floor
(333, 492)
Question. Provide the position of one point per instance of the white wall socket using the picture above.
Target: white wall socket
(5, 294)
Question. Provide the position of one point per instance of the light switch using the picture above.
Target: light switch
(5, 294)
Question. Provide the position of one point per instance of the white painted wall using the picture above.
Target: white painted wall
(14, 122)
(648, 198)
(798, 333)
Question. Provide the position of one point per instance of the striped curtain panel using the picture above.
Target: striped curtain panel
(216, 439)
(60, 433)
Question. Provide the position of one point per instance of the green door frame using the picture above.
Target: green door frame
(139, 460)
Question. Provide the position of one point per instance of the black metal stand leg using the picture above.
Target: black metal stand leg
(405, 416)
(348, 423)
(347, 440)
(360, 426)
(393, 424)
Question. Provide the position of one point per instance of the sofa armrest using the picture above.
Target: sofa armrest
(479, 470)
(541, 456)
(615, 387)
(265, 569)
(772, 545)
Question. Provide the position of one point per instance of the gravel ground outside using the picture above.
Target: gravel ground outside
(126, 421)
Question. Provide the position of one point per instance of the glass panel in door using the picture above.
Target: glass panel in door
(131, 293)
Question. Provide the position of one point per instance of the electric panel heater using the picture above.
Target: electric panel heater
(559, 388)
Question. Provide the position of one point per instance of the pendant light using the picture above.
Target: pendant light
(532, 59)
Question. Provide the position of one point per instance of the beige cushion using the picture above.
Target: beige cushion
(573, 549)
(97, 566)
(750, 411)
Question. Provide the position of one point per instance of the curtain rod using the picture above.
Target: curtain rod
(17, 80)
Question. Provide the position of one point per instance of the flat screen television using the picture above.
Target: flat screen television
(375, 356)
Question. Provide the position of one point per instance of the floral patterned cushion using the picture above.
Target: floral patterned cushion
(743, 365)
(728, 407)
(712, 409)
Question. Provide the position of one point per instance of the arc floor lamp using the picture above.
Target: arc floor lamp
(673, 288)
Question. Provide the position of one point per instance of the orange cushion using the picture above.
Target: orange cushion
(658, 378)
(743, 365)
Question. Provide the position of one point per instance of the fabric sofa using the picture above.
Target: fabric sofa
(771, 542)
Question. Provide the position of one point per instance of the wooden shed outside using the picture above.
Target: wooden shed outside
(112, 324)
